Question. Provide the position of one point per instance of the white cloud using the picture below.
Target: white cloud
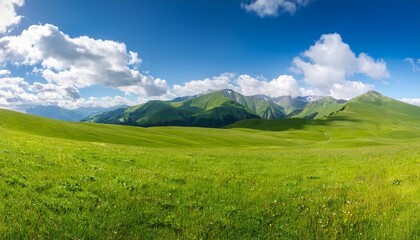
(224, 81)
(104, 102)
(13, 93)
(349, 89)
(415, 65)
(329, 63)
(17, 94)
(67, 65)
(284, 85)
(414, 101)
(265, 8)
(245, 84)
(318, 75)
(4, 72)
(371, 68)
(8, 16)
(78, 62)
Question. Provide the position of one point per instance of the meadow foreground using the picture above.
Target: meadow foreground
(222, 186)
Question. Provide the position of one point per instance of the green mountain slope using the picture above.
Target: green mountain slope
(210, 110)
(319, 108)
(371, 116)
(214, 109)
(291, 104)
(260, 104)
(382, 116)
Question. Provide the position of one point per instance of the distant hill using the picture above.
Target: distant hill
(319, 108)
(370, 115)
(74, 115)
(217, 109)
(290, 104)
(209, 110)
(262, 105)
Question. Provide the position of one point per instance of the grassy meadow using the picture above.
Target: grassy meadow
(301, 179)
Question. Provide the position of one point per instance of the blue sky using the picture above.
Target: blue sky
(274, 47)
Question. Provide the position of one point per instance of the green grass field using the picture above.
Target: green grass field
(344, 177)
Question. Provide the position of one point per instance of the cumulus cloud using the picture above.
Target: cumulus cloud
(245, 84)
(283, 85)
(17, 94)
(103, 102)
(415, 64)
(66, 65)
(329, 63)
(8, 16)
(264, 8)
(78, 62)
(414, 101)
(13, 92)
(349, 89)
(4, 72)
(224, 81)
(375, 69)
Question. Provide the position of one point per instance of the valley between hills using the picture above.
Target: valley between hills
(215, 166)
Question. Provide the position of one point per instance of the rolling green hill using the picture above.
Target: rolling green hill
(386, 116)
(369, 116)
(11, 122)
(319, 109)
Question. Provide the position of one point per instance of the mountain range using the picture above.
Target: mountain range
(369, 119)
(218, 109)
(74, 115)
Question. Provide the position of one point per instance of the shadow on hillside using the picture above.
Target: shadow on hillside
(288, 124)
